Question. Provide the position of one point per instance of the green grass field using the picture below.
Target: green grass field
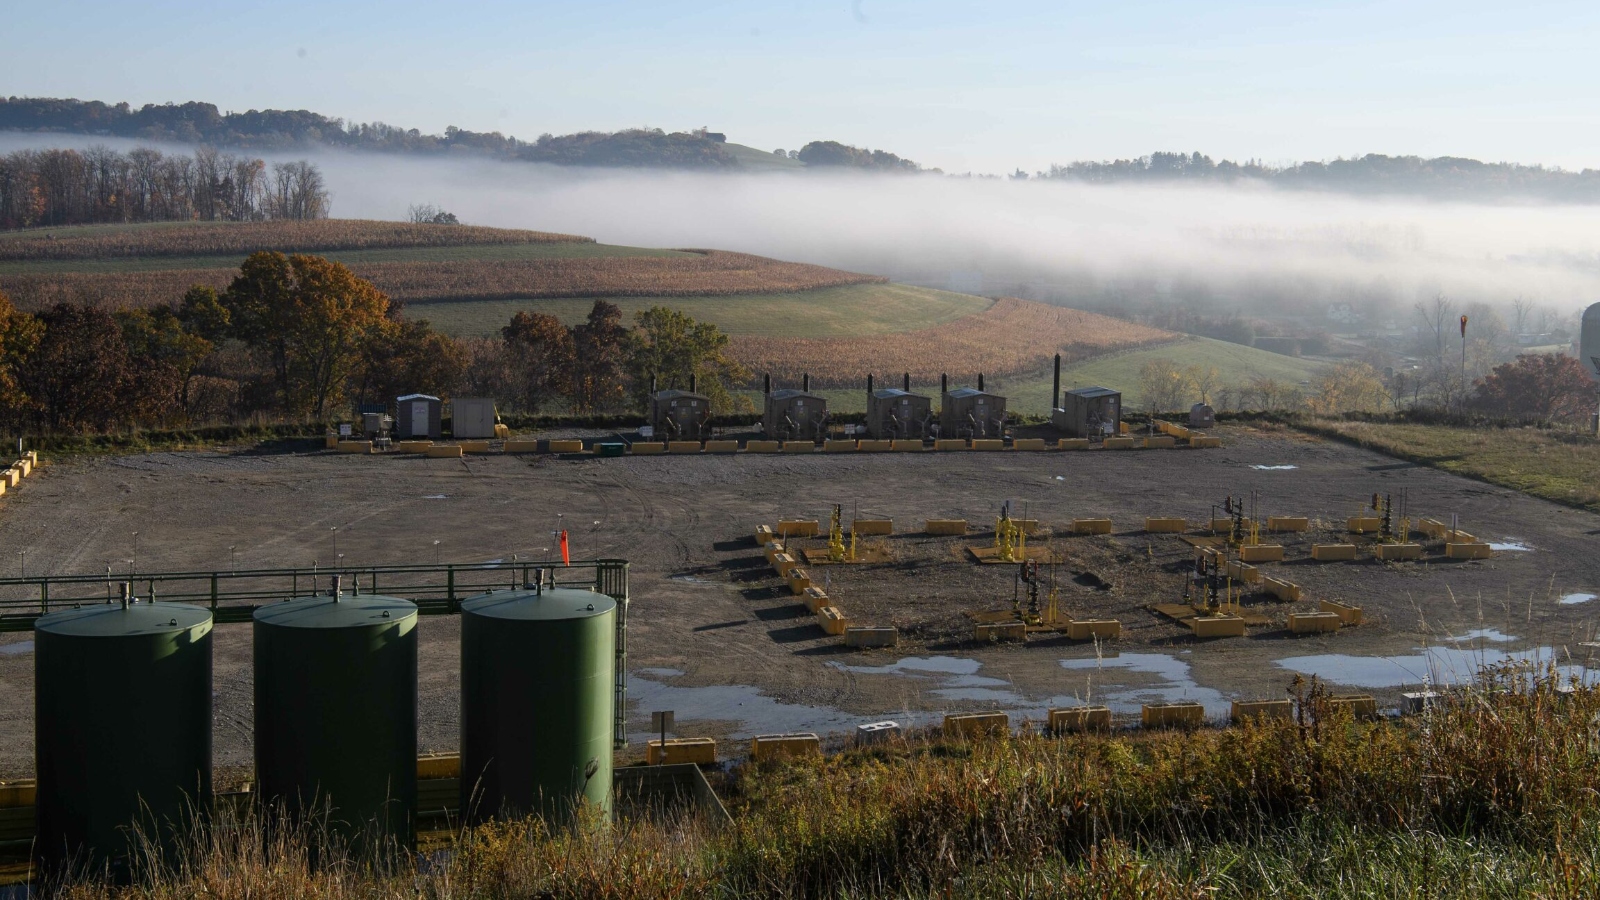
(1029, 393)
(828, 312)
(756, 160)
(481, 252)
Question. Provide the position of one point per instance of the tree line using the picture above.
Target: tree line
(302, 338)
(99, 185)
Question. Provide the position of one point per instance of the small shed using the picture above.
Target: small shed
(680, 415)
(1089, 412)
(792, 415)
(896, 414)
(419, 416)
(472, 418)
(972, 413)
(1201, 415)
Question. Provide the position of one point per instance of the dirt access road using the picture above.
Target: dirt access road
(715, 637)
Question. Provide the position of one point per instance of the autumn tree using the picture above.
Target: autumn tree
(19, 338)
(1348, 387)
(1164, 387)
(672, 346)
(311, 317)
(404, 356)
(78, 372)
(601, 346)
(1537, 387)
(163, 357)
(541, 358)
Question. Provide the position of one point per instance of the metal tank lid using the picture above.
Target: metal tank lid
(112, 620)
(343, 611)
(550, 604)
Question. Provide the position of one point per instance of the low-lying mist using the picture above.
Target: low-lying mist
(1246, 248)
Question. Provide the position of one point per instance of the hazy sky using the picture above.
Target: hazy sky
(963, 86)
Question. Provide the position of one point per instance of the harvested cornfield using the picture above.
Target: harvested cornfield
(1009, 337)
(214, 238)
(704, 273)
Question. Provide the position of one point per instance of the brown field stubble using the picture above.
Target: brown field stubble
(210, 238)
(1009, 337)
(707, 273)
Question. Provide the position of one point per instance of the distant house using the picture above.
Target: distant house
(713, 136)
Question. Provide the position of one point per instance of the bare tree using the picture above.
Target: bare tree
(1436, 316)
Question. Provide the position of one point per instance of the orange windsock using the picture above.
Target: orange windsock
(566, 555)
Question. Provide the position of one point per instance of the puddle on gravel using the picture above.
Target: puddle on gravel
(436, 497)
(1483, 634)
(1575, 599)
(1433, 665)
(17, 649)
(751, 711)
(1274, 468)
(958, 678)
(1174, 683)
(688, 578)
(1511, 544)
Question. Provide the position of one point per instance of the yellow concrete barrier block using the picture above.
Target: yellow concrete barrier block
(1172, 715)
(764, 534)
(1467, 551)
(1261, 709)
(502, 431)
(874, 446)
(1072, 444)
(1000, 631)
(1432, 528)
(774, 548)
(1091, 526)
(872, 526)
(949, 444)
(799, 447)
(1349, 615)
(330, 441)
(798, 580)
(698, 751)
(722, 446)
(516, 446)
(1452, 536)
(784, 746)
(443, 451)
(977, 725)
(478, 446)
(1288, 523)
(945, 526)
(1398, 551)
(798, 528)
(683, 446)
(438, 765)
(344, 447)
(1030, 527)
(1165, 526)
(907, 446)
(1118, 443)
(1333, 552)
(872, 636)
(1078, 718)
(1160, 442)
(815, 598)
(1244, 572)
(1363, 524)
(1091, 629)
(1260, 553)
(832, 619)
(1361, 706)
(783, 563)
(1314, 622)
(1217, 626)
(414, 446)
(763, 447)
(1028, 444)
(838, 446)
(2, 487)
(988, 445)
(1287, 591)
(570, 446)
(10, 477)
(1222, 525)
(647, 448)
(1204, 442)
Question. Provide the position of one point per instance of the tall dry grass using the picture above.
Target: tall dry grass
(1011, 336)
(243, 238)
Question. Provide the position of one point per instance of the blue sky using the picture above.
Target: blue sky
(965, 86)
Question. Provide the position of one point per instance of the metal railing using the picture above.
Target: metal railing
(235, 595)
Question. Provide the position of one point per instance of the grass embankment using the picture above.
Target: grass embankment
(1560, 466)
(1490, 795)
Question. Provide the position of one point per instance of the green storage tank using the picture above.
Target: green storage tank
(538, 674)
(122, 718)
(336, 714)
